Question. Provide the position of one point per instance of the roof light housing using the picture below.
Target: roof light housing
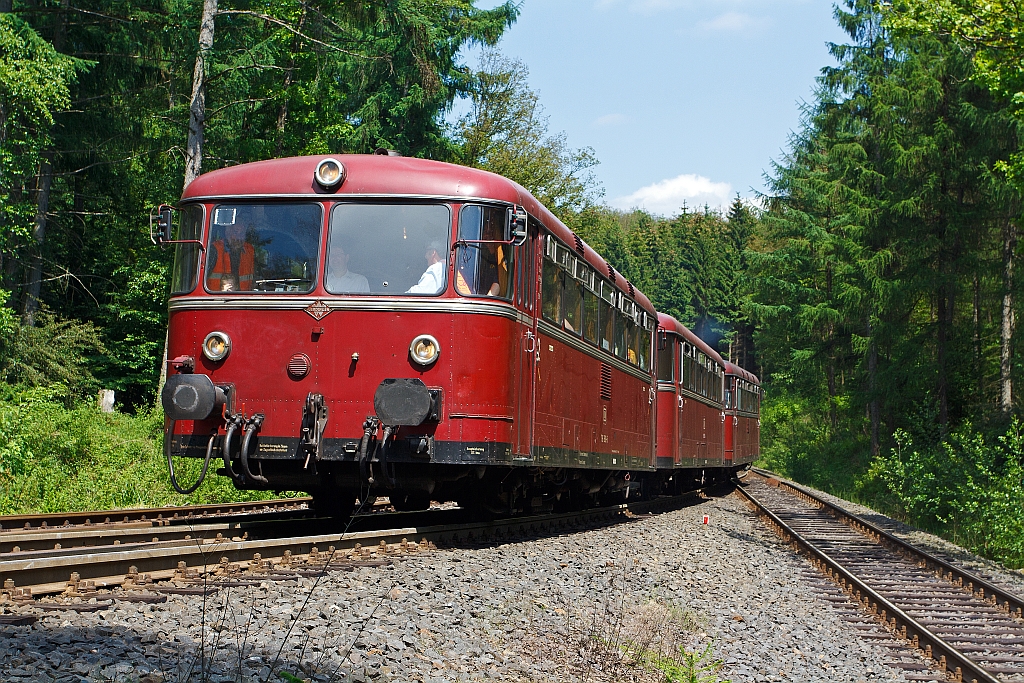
(330, 173)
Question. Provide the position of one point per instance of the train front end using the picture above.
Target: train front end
(346, 327)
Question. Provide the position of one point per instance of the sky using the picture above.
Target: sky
(683, 101)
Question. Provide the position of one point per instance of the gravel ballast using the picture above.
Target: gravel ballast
(578, 606)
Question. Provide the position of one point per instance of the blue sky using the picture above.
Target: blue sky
(682, 100)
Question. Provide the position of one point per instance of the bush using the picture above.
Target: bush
(60, 454)
(965, 488)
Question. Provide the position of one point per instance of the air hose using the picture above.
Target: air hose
(170, 461)
(248, 429)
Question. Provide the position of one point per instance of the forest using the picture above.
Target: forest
(873, 287)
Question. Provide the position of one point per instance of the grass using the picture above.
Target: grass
(61, 457)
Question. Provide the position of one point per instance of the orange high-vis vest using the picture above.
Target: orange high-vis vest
(222, 268)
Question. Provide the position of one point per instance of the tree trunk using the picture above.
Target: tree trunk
(944, 310)
(282, 112)
(34, 281)
(197, 106)
(873, 388)
(978, 363)
(1008, 321)
(832, 408)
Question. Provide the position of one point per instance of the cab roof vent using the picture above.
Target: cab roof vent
(611, 271)
(579, 245)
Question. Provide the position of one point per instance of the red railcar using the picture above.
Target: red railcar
(691, 400)
(742, 416)
(367, 324)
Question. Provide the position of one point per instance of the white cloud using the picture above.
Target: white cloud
(609, 120)
(730, 21)
(666, 197)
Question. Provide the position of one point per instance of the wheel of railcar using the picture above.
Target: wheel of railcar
(411, 502)
(335, 504)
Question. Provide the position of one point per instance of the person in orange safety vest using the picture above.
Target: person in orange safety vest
(233, 262)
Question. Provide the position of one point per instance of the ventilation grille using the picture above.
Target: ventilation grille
(606, 382)
(631, 291)
(298, 366)
(611, 271)
(579, 245)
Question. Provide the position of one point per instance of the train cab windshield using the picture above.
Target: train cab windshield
(388, 249)
(263, 248)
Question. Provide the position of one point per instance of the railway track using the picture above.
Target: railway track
(967, 628)
(66, 577)
(147, 517)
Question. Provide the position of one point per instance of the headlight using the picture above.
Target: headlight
(216, 346)
(424, 349)
(330, 173)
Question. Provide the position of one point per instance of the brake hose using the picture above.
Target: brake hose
(170, 461)
(248, 430)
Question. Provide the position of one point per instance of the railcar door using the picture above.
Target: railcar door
(526, 302)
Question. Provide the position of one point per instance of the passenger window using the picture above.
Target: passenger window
(591, 321)
(620, 343)
(551, 291)
(483, 268)
(644, 348)
(264, 247)
(573, 300)
(607, 324)
(666, 357)
(632, 341)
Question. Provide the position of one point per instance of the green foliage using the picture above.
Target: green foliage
(688, 667)
(969, 487)
(55, 352)
(506, 132)
(56, 458)
(34, 85)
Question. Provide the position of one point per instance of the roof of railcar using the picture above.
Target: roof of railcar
(372, 175)
(733, 369)
(670, 324)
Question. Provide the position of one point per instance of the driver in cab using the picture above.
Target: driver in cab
(233, 259)
(432, 280)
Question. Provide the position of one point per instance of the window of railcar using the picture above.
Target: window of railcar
(272, 247)
(591, 317)
(388, 249)
(607, 316)
(644, 344)
(666, 357)
(551, 292)
(684, 374)
(572, 300)
(483, 268)
(620, 343)
(185, 275)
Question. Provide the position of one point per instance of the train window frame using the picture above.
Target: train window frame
(179, 268)
(671, 344)
(591, 317)
(463, 249)
(451, 224)
(235, 204)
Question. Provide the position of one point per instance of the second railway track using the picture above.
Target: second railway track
(972, 629)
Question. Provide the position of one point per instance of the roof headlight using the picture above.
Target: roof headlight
(217, 346)
(424, 349)
(330, 173)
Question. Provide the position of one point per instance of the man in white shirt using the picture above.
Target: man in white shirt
(341, 280)
(433, 279)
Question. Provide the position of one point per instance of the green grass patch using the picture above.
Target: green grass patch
(60, 455)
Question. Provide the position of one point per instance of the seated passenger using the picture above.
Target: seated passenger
(233, 262)
(341, 280)
(432, 280)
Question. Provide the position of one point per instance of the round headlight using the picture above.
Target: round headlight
(330, 173)
(216, 346)
(424, 349)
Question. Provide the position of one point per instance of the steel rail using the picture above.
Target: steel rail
(980, 587)
(150, 516)
(23, 578)
(901, 623)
